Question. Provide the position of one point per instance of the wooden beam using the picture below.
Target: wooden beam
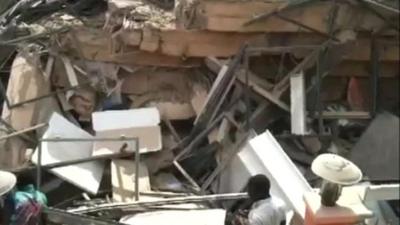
(170, 47)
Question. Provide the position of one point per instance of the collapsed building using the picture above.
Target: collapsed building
(123, 110)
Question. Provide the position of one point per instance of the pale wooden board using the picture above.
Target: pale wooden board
(149, 140)
(123, 179)
(120, 119)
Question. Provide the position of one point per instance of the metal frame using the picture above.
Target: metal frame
(244, 54)
(283, 84)
(39, 165)
(374, 78)
(22, 133)
(193, 144)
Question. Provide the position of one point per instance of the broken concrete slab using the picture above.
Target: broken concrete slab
(174, 110)
(178, 217)
(141, 123)
(120, 119)
(26, 82)
(149, 140)
(86, 176)
(377, 151)
(123, 179)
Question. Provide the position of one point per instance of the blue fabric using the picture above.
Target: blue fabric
(28, 193)
(20, 199)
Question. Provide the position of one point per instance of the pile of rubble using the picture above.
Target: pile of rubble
(160, 105)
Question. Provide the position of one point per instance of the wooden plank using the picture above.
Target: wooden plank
(266, 94)
(203, 43)
(123, 182)
(173, 45)
(97, 45)
(150, 40)
(237, 9)
(298, 104)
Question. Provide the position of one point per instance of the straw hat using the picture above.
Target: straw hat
(7, 182)
(336, 169)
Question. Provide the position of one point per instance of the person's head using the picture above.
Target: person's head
(258, 187)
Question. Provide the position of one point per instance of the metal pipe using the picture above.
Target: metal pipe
(224, 163)
(383, 6)
(172, 129)
(39, 167)
(251, 51)
(23, 136)
(305, 27)
(286, 7)
(318, 97)
(11, 106)
(186, 175)
(282, 85)
(202, 135)
(63, 217)
(151, 203)
(374, 77)
(60, 139)
(88, 159)
(137, 172)
(18, 133)
(247, 90)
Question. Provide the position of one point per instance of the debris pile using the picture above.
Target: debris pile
(147, 112)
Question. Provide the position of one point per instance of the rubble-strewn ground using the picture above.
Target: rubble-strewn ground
(199, 84)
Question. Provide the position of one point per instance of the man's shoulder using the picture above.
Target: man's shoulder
(262, 208)
(278, 202)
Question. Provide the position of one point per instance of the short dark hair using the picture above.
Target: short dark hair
(258, 187)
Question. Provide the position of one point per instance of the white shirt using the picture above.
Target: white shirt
(269, 211)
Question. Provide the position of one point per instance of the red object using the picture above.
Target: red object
(312, 219)
(358, 95)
